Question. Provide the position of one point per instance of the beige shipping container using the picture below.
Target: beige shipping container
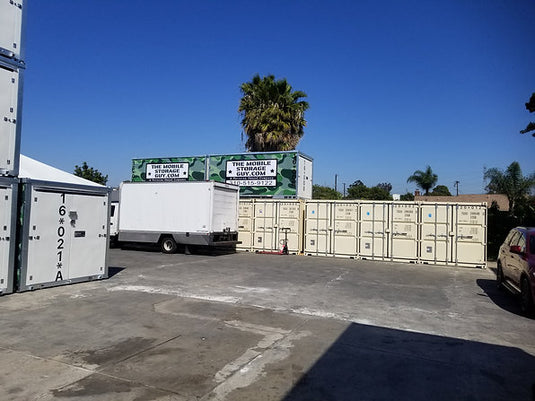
(470, 235)
(345, 229)
(404, 232)
(317, 227)
(245, 225)
(374, 218)
(264, 225)
(436, 235)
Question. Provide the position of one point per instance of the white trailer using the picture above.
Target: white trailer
(172, 213)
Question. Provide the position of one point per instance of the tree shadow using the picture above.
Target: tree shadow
(374, 363)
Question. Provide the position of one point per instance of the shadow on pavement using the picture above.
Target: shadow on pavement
(373, 363)
(501, 297)
(112, 271)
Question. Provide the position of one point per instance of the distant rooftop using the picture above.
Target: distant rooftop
(500, 199)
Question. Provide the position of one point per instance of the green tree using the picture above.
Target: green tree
(510, 182)
(321, 192)
(424, 179)
(90, 173)
(441, 190)
(358, 190)
(408, 197)
(273, 116)
(530, 106)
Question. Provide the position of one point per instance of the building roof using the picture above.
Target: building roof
(501, 200)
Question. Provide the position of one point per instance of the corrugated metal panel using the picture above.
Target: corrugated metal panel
(470, 235)
(436, 234)
(317, 228)
(8, 221)
(245, 225)
(374, 218)
(10, 119)
(404, 232)
(346, 226)
(264, 226)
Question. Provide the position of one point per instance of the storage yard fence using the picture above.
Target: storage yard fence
(415, 232)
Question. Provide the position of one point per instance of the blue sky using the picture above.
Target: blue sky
(393, 86)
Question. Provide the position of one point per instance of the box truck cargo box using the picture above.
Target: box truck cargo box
(8, 226)
(64, 229)
(259, 175)
(171, 213)
(10, 118)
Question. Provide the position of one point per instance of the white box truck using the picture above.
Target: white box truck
(172, 213)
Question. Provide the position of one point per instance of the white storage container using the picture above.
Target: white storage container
(318, 227)
(404, 232)
(245, 224)
(10, 118)
(64, 234)
(436, 235)
(470, 235)
(11, 22)
(264, 225)
(374, 226)
(345, 228)
(8, 226)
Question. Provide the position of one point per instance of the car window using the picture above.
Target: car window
(522, 243)
(509, 236)
(514, 239)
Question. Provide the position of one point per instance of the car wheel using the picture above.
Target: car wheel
(168, 245)
(526, 298)
(499, 276)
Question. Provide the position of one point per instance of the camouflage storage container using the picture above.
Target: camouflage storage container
(259, 175)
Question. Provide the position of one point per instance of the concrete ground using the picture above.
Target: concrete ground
(266, 327)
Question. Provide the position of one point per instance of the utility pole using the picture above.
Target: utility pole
(456, 185)
(336, 182)
(344, 189)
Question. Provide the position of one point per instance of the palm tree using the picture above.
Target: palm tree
(424, 179)
(511, 183)
(272, 114)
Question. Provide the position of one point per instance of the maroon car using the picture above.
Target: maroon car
(516, 266)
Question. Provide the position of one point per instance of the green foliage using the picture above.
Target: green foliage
(424, 179)
(441, 190)
(272, 114)
(91, 174)
(358, 190)
(408, 197)
(530, 106)
(510, 182)
(321, 192)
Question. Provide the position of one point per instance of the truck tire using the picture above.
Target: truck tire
(168, 245)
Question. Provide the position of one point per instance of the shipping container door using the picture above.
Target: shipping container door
(87, 218)
(245, 224)
(471, 235)
(289, 225)
(345, 228)
(404, 231)
(9, 94)
(48, 241)
(7, 238)
(436, 233)
(373, 230)
(264, 226)
(317, 224)
(11, 28)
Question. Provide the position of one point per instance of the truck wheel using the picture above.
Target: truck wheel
(168, 245)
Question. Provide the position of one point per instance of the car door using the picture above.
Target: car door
(508, 263)
(516, 260)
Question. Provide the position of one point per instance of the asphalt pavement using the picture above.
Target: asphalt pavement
(267, 327)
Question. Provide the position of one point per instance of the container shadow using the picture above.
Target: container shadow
(373, 363)
(112, 271)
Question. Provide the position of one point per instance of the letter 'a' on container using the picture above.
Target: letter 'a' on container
(65, 223)
(8, 223)
(10, 118)
(12, 14)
